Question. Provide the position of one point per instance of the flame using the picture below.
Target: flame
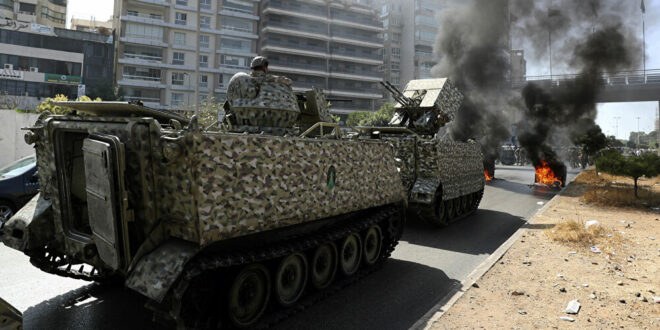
(488, 176)
(545, 175)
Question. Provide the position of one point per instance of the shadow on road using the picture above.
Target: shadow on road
(382, 300)
(91, 307)
(482, 232)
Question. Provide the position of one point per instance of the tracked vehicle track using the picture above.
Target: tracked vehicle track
(194, 300)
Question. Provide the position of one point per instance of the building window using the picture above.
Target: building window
(182, 2)
(236, 24)
(205, 22)
(178, 58)
(181, 18)
(396, 52)
(177, 78)
(236, 44)
(52, 15)
(395, 66)
(235, 61)
(204, 41)
(179, 38)
(144, 31)
(223, 80)
(177, 99)
(26, 8)
(383, 10)
(7, 4)
(205, 4)
(203, 98)
(204, 81)
(396, 36)
(203, 61)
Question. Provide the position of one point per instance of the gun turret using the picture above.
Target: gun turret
(425, 105)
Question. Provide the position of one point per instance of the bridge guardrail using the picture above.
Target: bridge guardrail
(635, 77)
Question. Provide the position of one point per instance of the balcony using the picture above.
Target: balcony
(290, 44)
(143, 99)
(368, 73)
(163, 3)
(290, 48)
(355, 74)
(235, 28)
(372, 23)
(146, 17)
(298, 27)
(300, 11)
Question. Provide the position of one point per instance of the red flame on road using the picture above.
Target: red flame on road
(545, 175)
(489, 177)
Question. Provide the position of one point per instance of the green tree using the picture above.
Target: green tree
(106, 91)
(635, 167)
(592, 141)
(364, 118)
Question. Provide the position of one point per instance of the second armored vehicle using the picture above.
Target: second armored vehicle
(444, 179)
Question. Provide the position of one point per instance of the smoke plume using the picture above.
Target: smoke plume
(590, 38)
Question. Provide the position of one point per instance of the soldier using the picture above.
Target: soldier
(243, 85)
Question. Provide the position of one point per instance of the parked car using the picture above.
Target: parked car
(19, 182)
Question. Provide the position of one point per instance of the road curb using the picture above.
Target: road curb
(458, 289)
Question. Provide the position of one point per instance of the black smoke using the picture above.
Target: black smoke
(590, 38)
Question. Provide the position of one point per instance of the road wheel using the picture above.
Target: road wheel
(465, 204)
(248, 295)
(469, 202)
(439, 217)
(450, 212)
(290, 279)
(324, 266)
(6, 212)
(458, 210)
(373, 241)
(350, 254)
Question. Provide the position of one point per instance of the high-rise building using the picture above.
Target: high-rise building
(333, 45)
(176, 53)
(87, 25)
(44, 12)
(411, 27)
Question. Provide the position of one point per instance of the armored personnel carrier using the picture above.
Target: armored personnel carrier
(215, 225)
(444, 179)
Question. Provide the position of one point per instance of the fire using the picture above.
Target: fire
(545, 175)
(488, 176)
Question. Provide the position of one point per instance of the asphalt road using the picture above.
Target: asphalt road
(426, 265)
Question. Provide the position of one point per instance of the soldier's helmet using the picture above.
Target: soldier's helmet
(258, 61)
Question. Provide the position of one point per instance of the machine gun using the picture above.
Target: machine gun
(425, 105)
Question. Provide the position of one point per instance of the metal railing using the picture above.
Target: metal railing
(357, 54)
(621, 78)
(143, 99)
(294, 46)
(299, 9)
(146, 37)
(245, 10)
(138, 77)
(146, 16)
(235, 28)
(355, 36)
(355, 19)
(298, 27)
(356, 72)
(315, 67)
(144, 57)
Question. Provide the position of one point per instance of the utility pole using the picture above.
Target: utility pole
(617, 126)
(638, 132)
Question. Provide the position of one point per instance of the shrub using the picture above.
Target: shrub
(635, 167)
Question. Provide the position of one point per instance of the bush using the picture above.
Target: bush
(49, 104)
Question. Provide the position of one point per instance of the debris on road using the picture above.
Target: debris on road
(591, 223)
(567, 318)
(573, 307)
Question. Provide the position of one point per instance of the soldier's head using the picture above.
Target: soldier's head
(259, 63)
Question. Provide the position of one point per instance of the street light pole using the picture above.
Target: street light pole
(638, 132)
(617, 126)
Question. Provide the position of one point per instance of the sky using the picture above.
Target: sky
(607, 113)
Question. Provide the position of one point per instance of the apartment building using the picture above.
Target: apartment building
(87, 25)
(41, 61)
(411, 27)
(332, 45)
(178, 53)
(44, 12)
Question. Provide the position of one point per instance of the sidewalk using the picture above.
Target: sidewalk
(615, 276)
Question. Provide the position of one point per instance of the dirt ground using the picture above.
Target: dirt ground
(532, 284)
